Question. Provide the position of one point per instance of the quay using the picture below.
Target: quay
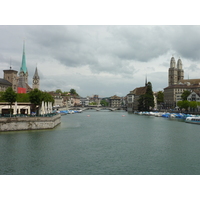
(29, 123)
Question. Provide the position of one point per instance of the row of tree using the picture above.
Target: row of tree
(71, 92)
(35, 97)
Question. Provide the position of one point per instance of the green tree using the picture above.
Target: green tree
(146, 101)
(73, 92)
(10, 96)
(104, 102)
(46, 97)
(23, 97)
(1, 97)
(183, 104)
(35, 97)
(185, 95)
(160, 97)
(59, 91)
(193, 105)
(149, 98)
(141, 106)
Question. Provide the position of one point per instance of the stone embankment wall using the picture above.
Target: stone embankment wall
(29, 123)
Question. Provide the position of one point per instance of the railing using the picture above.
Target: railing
(24, 115)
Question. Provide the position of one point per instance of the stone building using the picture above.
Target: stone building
(133, 97)
(177, 84)
(4, 84)
(19, 82)
(115, 102)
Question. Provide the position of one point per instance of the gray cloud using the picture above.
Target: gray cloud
(193, 67)
(94, 55)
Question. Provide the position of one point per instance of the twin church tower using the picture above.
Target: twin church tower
(20, 81)
(176, 73)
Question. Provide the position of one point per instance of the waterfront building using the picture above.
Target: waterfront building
(84, 101)
(115, 101)
(95, 99)
(58, 99)
(177, 84)
(133, 97)
(74, 100)
(18, 108)
(194, 96)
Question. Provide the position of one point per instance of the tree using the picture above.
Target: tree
(46, 97)
(160, 97)
(35, 97)
(1, 97)
(183, 104)
(73, 92)
(23, 97)
(193, 105)
(185, 95)
(59, 91)
(10, 96)
(146, 101)
(141, 106)
(104, 102)
(149, 98)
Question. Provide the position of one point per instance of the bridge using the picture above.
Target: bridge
(97, 108)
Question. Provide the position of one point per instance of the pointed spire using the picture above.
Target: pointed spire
(146, 81)
(10, 64)
(23, 66)
(36, 76)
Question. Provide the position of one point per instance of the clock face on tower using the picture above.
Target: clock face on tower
(35, 81)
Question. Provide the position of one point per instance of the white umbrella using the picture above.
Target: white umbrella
(50, 107)
(29, 110)
(45, 107)
(42, 108)
(48, 103)
(15, 109)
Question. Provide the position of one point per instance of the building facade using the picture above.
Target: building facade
(177, 84)
(133, 97)
(115, 102)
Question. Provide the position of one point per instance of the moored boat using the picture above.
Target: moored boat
(193, 120)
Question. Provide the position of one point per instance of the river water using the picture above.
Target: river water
(104, 143)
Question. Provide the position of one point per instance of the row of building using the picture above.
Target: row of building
(172, 93)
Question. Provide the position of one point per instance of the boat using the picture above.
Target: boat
(193, 120)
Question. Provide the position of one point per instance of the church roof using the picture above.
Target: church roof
(183, 86)
(23, 65)
(138, 91)
(5, 82)
(191, 81)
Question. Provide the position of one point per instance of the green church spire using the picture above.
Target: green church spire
(23, 66)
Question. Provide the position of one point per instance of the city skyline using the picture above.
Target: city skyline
(103, 60)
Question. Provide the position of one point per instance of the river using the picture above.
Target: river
(104, 143)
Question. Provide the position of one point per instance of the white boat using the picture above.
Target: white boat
(193, 120)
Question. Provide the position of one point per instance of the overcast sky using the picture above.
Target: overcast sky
(103, 60)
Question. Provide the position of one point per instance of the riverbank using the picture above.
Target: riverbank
(29, 123)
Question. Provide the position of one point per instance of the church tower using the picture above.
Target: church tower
(180, 70)
(23, 74)
(173, 73)
(36, 80)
